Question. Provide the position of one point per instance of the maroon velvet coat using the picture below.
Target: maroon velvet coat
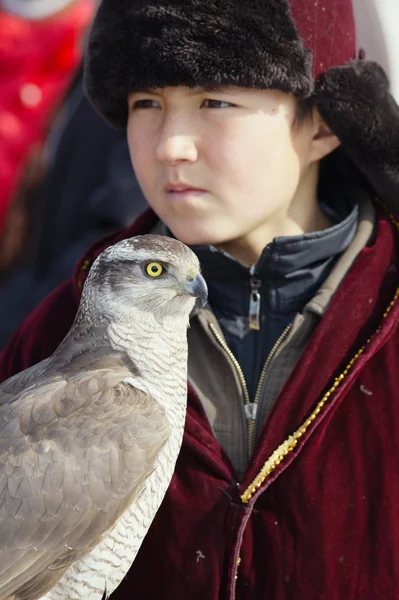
(324, 523)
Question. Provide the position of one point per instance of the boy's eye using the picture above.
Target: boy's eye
(144, 104)
(209, 103)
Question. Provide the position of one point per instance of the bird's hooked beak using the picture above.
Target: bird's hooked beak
(196, 286)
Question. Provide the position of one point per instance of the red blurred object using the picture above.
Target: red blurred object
(328, 28)
(38, 60)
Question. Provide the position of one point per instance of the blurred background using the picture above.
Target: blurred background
(65, 176)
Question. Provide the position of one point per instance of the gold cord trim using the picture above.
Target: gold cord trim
(289, 444)
(85, 267)
(237, 567)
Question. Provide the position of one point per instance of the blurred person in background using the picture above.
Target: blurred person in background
(67, 175)
(40, 50)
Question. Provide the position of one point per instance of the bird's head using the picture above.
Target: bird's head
(145, 275)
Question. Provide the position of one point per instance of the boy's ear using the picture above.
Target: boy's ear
(324, 141)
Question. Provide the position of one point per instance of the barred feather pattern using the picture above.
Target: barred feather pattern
(106, 566)
(165, 361)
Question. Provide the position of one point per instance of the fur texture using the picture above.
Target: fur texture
(138, 44)
(355, 102)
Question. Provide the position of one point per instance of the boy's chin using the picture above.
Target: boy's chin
(191, 238)
(212, 232)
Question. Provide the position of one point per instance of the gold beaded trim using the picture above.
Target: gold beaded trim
(238, 565)
(289, 444)
(85, 267)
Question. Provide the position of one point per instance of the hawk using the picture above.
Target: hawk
(89, 437)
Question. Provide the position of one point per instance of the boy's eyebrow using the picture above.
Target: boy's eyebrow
(212, 88)
(192, 91)
(143, 91)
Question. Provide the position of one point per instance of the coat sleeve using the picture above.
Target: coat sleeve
(41, 332)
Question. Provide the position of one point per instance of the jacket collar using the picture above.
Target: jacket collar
(290, 269)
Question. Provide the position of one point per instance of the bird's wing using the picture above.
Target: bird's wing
(15, 385)
(74, 454)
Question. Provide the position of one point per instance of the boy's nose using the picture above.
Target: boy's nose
(176, 148)
(176, 145)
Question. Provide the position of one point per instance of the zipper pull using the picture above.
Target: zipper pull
(251, 409)
(254, 301)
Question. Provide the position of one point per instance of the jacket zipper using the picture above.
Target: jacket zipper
(288, 445)
(250, 408)
(254, 300)
(252, 420)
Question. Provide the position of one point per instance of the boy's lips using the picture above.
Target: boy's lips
(183, 193)
(181, 188)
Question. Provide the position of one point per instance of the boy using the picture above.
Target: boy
(286, 484)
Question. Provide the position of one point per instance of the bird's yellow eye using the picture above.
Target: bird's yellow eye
(154, 269)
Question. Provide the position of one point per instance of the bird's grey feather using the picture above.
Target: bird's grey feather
(83, 440)
(20, 382)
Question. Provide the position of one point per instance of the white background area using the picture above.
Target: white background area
(377, 25)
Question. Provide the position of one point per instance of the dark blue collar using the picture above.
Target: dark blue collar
(290, 269)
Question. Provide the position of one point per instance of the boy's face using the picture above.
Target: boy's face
(220, 166)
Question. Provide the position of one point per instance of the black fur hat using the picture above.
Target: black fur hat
(301, 47)
(142, 44)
